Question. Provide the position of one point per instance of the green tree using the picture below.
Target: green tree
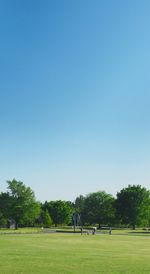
(5, 204)
(133, 205)
(99, 208)
(79, 209)
(79, 203)
(23, 207)
(3, 220)
(46, 218)
(60, 211)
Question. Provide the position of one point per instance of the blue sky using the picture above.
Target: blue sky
(74, 95)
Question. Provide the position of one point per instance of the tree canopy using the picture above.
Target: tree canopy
(60, 211)
(98, 208)
(22, 206)
(133, 205)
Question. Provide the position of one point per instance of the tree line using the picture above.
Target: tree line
(130, 207)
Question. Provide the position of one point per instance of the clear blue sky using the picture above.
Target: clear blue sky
(74, 95)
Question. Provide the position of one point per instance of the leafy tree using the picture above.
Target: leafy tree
(46, 218)
(5, 204)
(23, 207)
(79, 203)
(133, 205)
(79, 210)
(3, 220)
(60, 211)
(99, 208)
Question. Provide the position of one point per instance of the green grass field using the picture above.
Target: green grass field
(74, 254)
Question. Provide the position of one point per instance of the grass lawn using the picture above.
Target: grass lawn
(74, 254)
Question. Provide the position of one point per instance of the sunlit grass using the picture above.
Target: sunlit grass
(74, 254)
